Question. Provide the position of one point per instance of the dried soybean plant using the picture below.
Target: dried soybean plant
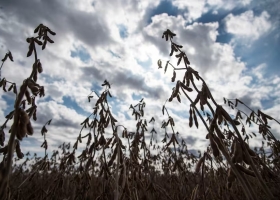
(28, 92)
(240, 156)
(117, 162)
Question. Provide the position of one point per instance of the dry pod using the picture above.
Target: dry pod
(28, 98)
(38, 41)
(102, 140)
(30, 111)
(229, 184)
(35, 76)
(237, 153)
(199, 163)
(28, 40)
(220, 119)
(20, 155)
(214, 147)
(23, 117)
(2, 82)
(113, 156)
(21, 93)
(250, 151)
(49, 39)
(31, 83)
(218, 131)
(4, 150)
(245, 171)
(29, 129)
(35, 90)
(40, 68)
(34, 115)
(231, 176)
(173, 77)
(21, 131)
(11, 87)
(2, 137)
(50, 31)
(42, 91)
(31, 47)
(246, 159)
(186, 87)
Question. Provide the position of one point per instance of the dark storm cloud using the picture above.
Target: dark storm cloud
(42, 118)
(44, 114)
(190, 140)
(87, 27)
(123, 79)
(246, 99)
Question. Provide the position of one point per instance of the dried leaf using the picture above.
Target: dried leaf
(51, 32)
(152, 120)
(35, 76)
(178, 98)
(44, 45)
(186, 60)
(49, 122)
(15, 89)
(2, 82)
(190, 118)
(179, 60)
(195, 119)
(186, 87)
(44, 130)
(236, 122)
(198, 165)
(49, 40)
(11, 87)
(31, 48)
(38, 41)
(109, 94)
(159, 64)
(174, 76)
(5, 58)
(89, 97)
(166, 66)
(10, 56)
(38, 27)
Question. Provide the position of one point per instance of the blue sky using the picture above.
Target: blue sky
(234, 45)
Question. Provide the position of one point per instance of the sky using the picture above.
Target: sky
(234, 45)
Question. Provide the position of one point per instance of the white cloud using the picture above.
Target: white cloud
(3, 105)
(259, 71)
(247, 24)
(195, 8)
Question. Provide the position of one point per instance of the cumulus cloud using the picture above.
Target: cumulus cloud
(194, 9)
(247, 24)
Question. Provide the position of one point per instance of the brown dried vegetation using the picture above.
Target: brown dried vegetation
(109, 169)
